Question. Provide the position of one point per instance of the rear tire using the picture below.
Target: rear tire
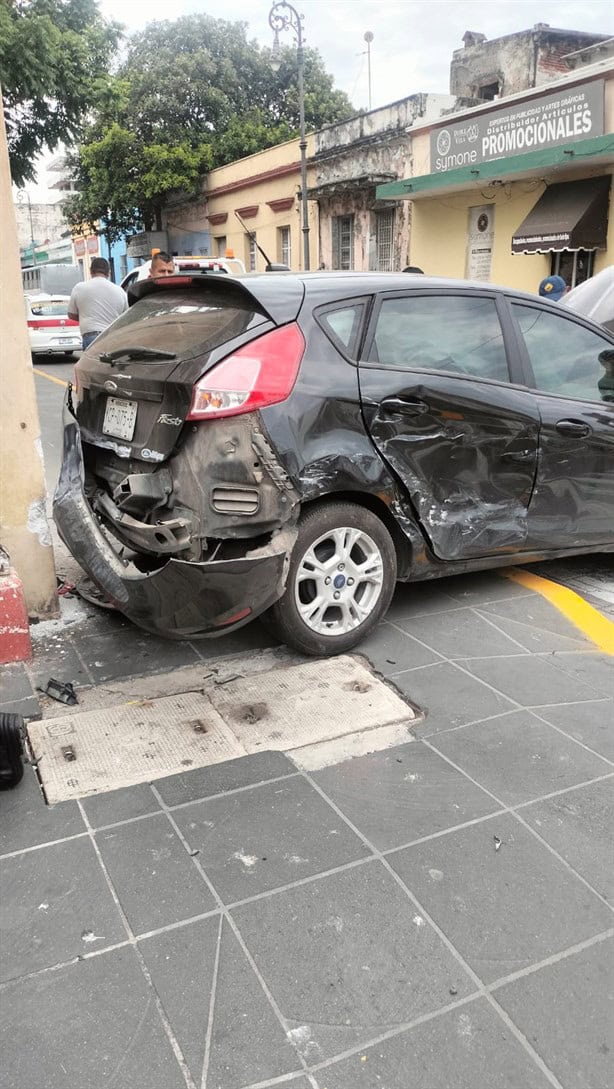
(341, 579)
(11, 764)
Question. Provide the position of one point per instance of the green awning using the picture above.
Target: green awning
(587, 152)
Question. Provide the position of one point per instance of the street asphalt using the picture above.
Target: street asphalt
(437, 915)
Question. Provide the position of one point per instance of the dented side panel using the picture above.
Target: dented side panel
(466, 452)
(228, 474)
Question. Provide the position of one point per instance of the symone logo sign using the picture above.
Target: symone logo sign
(573, 114)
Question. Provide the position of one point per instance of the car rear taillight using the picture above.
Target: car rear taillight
(50, 323)
(260, 373)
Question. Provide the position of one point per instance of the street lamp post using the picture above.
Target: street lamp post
(283, 16)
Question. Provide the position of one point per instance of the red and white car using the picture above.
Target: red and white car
(49, 327)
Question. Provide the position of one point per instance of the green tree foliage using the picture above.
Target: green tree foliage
(125, 182)
(189, 95)
(51, 54)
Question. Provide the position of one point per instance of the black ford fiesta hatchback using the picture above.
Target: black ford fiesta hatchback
(292, 445)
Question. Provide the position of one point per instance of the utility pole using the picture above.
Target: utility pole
(368, 37)
(283, 16)
(24, 529)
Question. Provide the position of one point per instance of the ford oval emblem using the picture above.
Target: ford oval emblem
(110, 387)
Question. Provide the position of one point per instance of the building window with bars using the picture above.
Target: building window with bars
(283, 246)
(343, 242)
(252, 253)
(384, 231)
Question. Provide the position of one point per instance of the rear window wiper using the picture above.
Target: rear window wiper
(136, 352)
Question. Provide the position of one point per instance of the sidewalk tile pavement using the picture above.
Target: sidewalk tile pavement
(442, 908)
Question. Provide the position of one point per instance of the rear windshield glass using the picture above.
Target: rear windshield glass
(49, 309)
(188, 322)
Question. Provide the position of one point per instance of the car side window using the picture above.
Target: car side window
(564, 355)
(457, 333)
(344, 324)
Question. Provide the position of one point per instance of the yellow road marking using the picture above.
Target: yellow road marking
(51, 377)
(589, 620)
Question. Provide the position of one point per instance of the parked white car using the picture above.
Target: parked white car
(49, 327)
(230, 266)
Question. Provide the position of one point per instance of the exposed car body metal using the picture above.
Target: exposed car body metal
(466, 473)
(179, 599)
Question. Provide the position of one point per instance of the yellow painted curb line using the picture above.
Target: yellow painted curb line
(589, 620)
(51, 377)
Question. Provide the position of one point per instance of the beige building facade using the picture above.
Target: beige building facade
(515, 190)
(264, 189)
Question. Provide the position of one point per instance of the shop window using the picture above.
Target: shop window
(564, 356)
(283, 246)
(575, 266)
(343, 242)
(384, 232)
(459, 334)
(220, 245)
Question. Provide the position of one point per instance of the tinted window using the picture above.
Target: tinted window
(564, 356)
(453, 333)
(344, 324)
(188, 322)
(50, 309)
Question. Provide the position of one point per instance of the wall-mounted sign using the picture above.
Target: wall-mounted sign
(480, 239)
(92, 245)
(575, 113)
(79, 245)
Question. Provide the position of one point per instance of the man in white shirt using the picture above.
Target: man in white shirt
(95, 303)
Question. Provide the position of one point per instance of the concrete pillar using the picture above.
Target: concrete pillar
(24, 528)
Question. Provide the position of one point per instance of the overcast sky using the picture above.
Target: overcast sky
(413, 39)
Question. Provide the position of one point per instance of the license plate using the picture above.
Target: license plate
(120, 418)
(67, 340)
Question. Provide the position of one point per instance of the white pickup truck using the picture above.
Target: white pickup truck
(231, 266)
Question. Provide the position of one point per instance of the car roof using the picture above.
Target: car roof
(41, 296)
(281, 294)
(356, 283)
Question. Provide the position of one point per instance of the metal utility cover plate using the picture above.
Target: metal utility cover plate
(127, 744)
(314, 701)
(285, 708)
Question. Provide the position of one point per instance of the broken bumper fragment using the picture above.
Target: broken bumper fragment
(181, 599)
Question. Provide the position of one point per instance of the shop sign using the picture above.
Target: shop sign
(480, 240)
(92, 245)
(575, 113)
(79, 245)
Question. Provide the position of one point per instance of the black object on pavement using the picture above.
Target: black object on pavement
(11, 750)
(62, 691)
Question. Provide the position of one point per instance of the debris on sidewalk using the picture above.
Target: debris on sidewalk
(497, 843)
(60, 691)
(66, 588)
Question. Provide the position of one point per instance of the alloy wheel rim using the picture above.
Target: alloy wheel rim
(339, 581)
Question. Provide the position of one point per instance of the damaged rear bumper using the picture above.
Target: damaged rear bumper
(181, 599)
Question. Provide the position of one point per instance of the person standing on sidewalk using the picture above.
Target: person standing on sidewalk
(96, 302)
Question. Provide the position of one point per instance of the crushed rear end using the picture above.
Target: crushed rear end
(171, 496)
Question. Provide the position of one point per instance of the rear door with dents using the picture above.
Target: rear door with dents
(572, 368)
(437, 398)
